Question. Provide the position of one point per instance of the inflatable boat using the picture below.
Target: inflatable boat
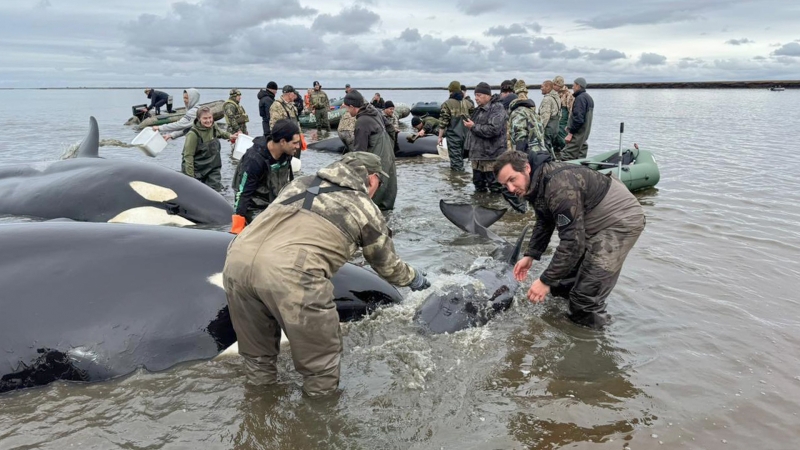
(141, 122)
(639, 168)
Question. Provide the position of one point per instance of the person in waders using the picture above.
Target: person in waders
(201, 158)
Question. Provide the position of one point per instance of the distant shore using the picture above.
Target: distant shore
(764, 84)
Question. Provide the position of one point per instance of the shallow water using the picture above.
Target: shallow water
(702, 354)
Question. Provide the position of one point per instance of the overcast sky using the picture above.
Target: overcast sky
(387, 43)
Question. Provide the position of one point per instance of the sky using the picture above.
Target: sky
(390, 43)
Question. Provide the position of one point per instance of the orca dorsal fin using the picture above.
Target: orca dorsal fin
(90, 146)
(513, 256)
(472, 219)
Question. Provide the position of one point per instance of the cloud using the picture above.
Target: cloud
(209, 23)
(526, 45)
(410, 35)
(350, 21)
(478, 7)
(501, 30)
(533, 26)
(456, 41)
(652, 59)
(680, 11)
(43, 4)
(741, 41)
(790, 49)
(759, 58)
(605, 54)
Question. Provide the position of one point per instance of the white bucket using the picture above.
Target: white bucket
(243, 142)
(150, 142)
(296, 165)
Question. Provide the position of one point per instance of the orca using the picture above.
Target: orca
(94, 301)
(425, 145)
(332, 144)
(91, 189)
(456, 307)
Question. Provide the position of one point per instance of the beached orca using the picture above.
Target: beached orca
(425, 145)
(92, 189)
(333, 144)
(457, 307)
(92, 301)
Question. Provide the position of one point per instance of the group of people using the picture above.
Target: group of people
(294, 234)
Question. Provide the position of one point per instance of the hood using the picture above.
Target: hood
(345, 175)
(199, 126)
(526, 102)
(194, 97)
(457, 95)
(369, 110)
(537, 162)
(265, 93)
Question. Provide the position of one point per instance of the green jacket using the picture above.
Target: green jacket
(319, 100)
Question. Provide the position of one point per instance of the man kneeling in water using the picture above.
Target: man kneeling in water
(598, 222)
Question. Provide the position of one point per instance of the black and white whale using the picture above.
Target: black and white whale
(457, 307)
(92, 301)
(92, 189)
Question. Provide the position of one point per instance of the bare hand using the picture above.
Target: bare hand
(154, 127)
(469, 123)
(439, 142)
(167, 137)
(538, 291)
(522, 267)
(568, 138)
(421, 133)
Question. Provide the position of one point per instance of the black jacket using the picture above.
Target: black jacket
(506, 101)
(487, 139)
(157, 96)
(265, 100)
(583, 105)
(298, 103)
(378, 103)
(561, 195)
(259, 179)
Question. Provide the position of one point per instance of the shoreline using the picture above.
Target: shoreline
(764, 84)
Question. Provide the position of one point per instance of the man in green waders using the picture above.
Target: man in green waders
(370, 136)
(452, 115)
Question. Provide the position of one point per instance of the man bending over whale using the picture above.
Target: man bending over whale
(278, 270)
(598, 222)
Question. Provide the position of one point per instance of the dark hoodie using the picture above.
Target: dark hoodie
(371, 137)
(259, 179)
(487, 138)
(265, 100)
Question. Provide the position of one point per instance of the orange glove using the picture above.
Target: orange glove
(303, 145)
(238, 225)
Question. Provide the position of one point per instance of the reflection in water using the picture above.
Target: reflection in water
(574, 381)
(281, 417)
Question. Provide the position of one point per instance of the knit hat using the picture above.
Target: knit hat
(507, 86)
(272, 85)
(415, 121)
(369, 160)
(558, 81)
(454, 86)
(520, 86)
(316, 83)
(483, 88)
(347, 85)
(388, 104)
(580, 81)
(354, 98)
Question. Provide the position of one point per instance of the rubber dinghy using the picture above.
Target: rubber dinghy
(162, 119)
(430, 109)
(639, 168)
(334, 116)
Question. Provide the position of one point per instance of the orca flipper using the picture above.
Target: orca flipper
(472, 219)
(90, 146)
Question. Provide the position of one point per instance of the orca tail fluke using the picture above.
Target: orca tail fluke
(472, 219)
(90, 146)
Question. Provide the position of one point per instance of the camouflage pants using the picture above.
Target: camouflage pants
(321, 116)
(597, 273)
(287, 297)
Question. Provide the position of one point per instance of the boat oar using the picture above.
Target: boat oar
(621, 130)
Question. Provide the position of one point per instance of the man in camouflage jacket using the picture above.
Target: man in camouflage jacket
(321, 105)
(550, 116)
(278, 271)
(598, 222)
(454, 111)
(283, 108)
(235, 116)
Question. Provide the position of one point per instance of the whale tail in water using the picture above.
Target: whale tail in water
(457, 307)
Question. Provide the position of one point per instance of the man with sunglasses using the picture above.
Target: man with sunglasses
(264, 170)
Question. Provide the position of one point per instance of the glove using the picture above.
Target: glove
(238, 224)
(419, 282)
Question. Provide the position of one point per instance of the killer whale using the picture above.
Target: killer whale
(91, 189)
(93, 301)
(453, 308)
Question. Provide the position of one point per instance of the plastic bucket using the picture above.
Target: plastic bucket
(296, 165)
(243, 142)
(150, 142)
